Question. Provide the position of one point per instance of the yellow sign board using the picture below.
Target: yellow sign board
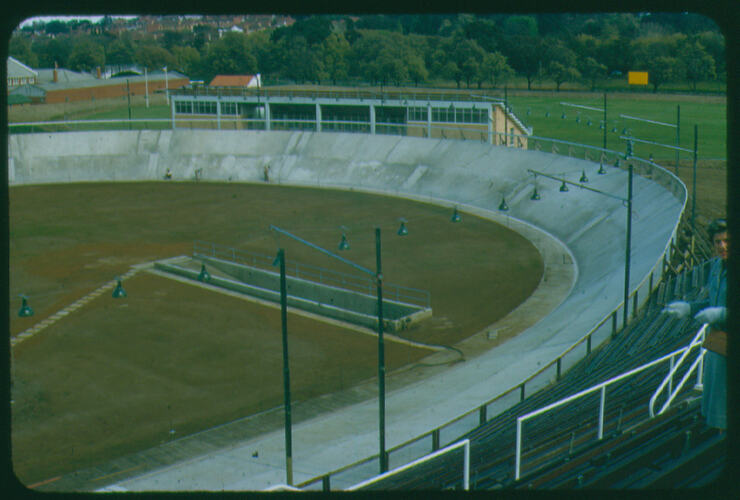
(637, 77)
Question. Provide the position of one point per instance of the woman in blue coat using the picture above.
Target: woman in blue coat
(713, 311)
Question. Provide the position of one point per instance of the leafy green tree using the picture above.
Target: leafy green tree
(592, 70)
(52, 50)
(664, 69)
(416, 68)
(86, 55)
(698, 62)
(187, 60)
(561, 73)
(616, 54)
(120, 52)
(20, 48)
(561, 66)
(714, 43)
(229, 56)
(483, 32)
(335, 52)
(494, 69)
(302, 63)
(153, 57)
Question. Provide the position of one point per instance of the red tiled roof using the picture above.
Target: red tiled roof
(231, 80)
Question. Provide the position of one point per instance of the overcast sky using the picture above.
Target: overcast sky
(46, 19)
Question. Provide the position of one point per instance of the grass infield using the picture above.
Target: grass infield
(117, 375)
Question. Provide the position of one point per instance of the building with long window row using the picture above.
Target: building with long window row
(416, 114)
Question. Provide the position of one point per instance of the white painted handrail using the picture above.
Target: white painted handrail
(465, 443)
(668, 381)
(602, 403)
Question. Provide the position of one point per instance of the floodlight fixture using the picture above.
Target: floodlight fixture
(25, 311)
(402, 231)
(563, 116)
(564, 187)
(455, 216)
(535, 195)
(601, 169)
(204, 274)
(119, 292)
(583, 177)
(503, 206)
(344, 243)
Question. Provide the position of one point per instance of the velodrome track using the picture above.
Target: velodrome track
(584, 229)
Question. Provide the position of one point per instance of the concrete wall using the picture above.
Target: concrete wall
(469, 174)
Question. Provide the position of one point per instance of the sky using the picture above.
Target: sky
(46, 19)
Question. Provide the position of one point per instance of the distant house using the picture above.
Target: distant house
(57, 85)
(20, 74)
(244, 81)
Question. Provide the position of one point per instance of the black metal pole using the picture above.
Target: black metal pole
(693, 187)
(604, 120)
(381, 357)
(506, 116)
(628, 245)
(678, 134)
(286, 370)
(128, 94)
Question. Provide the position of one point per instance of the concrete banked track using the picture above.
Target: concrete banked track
(582, 225)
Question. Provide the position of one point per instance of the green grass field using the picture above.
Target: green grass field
(708, 113)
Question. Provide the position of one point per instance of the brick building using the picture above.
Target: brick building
(59, 85)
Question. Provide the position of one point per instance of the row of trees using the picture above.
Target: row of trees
(470, 50)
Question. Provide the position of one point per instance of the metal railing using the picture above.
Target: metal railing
(609, 326)
(668, 381)
(465, 444)
(316, 274)
(601, 388)
(385, 95)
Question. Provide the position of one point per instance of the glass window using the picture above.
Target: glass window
(183, 107)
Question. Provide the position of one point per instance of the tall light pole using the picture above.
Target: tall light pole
(628, 236)
(378, 275)
(166, 86)
(286, 370)
(381, 357)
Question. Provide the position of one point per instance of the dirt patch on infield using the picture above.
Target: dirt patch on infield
(115, 376)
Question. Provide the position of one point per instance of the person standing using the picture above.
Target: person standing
(712, 311)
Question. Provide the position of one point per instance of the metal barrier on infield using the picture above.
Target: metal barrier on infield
(317, 274)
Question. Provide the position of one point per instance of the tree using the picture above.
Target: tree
(664, 69)
(335, 51)
(562, 62)
(153, 57)
(592, 71)
(86, 55)
(120, 52)
(187, 60)
(20, 48)
(417, 69)
(494, 69)
(697, 61)
(229, 55)
(561, 73)
(52, 50)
